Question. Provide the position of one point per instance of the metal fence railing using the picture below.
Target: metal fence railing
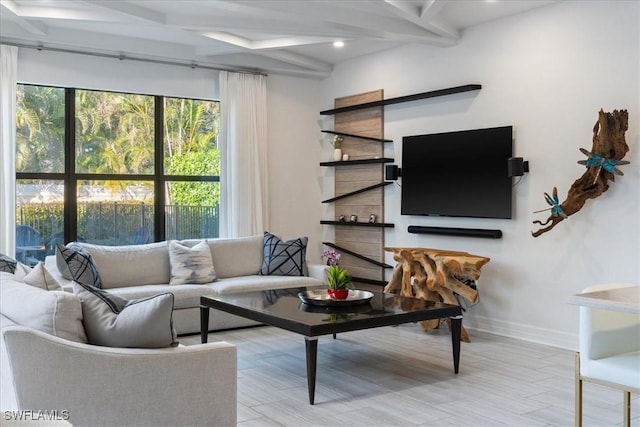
(118, 223)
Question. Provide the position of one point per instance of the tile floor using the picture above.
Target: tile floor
(400, 376)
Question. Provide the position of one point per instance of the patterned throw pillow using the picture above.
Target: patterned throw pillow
(81, 265)
(7, 264)
(190, 265)
(284, 258)
(40, 277)
(112, 321)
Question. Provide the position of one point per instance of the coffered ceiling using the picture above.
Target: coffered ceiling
(282, 36)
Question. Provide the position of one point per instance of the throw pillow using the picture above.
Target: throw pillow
(284, 258)
(41, 278)
(63, 268)
(80, 264)
(190, 265)
(7, 264)
(112, 321)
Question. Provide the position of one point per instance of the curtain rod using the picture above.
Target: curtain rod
(123, 57)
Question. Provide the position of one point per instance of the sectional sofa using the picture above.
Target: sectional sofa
(49, 362)
(139, 271)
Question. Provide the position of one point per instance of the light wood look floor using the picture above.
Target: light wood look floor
(400, 376)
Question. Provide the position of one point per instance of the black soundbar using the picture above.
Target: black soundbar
(447, 231)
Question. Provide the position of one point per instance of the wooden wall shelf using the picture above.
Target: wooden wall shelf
(359, 224)
(407, 98)
(357, 136)
(357, 255)
(358, 162)
(362, 190)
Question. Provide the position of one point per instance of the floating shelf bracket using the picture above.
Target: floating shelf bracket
(357, 162)
(362, 190)
(357, 136)
(359, 224)
(407, 98)
(357, 255)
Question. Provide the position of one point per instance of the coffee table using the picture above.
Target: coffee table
(283, 309)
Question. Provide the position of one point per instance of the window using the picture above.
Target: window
(113, 168)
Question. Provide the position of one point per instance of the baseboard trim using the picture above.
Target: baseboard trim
(523, 332)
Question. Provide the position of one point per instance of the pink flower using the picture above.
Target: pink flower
(332, 256)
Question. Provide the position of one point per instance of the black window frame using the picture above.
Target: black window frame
(71, 178)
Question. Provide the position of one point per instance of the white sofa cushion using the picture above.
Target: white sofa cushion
(184, 296)
(236, 257)
(190, 264)
(57, 313)
(41, 278)
(131, 265)
(237, 285)
(113, 321)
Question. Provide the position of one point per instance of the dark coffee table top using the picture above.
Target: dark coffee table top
(284, 309)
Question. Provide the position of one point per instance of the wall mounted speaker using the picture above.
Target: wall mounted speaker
(516, 166)
(392, 172)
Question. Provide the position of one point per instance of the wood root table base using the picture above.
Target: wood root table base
(435, 275)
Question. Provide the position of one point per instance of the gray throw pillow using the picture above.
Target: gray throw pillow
(112, 321)
(284, 258)
(7, 264)
(81, 266)
(190, 265)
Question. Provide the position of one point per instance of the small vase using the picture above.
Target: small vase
(337, 154)
(338, 293)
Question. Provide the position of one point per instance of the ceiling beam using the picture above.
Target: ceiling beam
(129, 10)
(10, 10)
(425, 17)
(273, 43)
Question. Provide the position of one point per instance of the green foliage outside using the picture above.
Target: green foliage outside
(115, 135)
(40, 129)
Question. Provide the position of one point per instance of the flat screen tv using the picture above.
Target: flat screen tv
(458, 174)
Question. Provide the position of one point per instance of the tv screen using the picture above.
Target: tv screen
(459, 174)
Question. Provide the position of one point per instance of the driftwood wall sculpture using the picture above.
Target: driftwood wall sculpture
(608, 149)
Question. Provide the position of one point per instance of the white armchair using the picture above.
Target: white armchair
(609, 352)
(101, 386)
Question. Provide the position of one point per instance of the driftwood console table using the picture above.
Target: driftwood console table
(435, 275)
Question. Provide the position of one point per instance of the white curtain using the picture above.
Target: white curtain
(242, 140)
(8, 82)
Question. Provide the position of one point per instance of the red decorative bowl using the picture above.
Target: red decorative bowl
(338, 293)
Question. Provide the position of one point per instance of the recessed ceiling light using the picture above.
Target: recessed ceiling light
(338, 43)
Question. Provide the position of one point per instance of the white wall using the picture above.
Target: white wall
(92, 72)
(293, 157)
(547, 73)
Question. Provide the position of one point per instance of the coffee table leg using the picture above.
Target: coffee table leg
(456, 333)
(311, 344)
(204, 324)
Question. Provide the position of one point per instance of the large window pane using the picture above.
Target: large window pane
(192, 210)
(39, 129)
(114, 133)
(113, 151)
(39, 218)
(115, 212)
(191, 137)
